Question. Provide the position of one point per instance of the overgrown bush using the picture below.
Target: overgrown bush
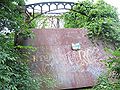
(111, 80)
(99, 18)
(14, 71)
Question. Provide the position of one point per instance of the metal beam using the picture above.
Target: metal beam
(36, 9)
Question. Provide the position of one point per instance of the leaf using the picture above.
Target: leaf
(116, 53)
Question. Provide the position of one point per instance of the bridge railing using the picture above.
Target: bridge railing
(35, 10)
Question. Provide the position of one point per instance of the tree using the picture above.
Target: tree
(14, 70)
(100, 18)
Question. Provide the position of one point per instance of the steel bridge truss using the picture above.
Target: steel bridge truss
(34, 10)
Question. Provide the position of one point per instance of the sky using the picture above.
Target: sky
(115, 3)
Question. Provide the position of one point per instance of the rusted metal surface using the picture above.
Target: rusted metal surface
(70, 68)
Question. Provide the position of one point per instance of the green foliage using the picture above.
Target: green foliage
(110, 81)
(104, 84)
(113, 63)
(46, 82)
(14, 70)
(100, 18)
(40, 21)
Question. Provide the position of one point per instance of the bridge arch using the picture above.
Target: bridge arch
(32, 11)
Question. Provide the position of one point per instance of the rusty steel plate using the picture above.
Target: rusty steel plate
(70, 68)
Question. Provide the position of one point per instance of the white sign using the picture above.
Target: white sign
(76, 46)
